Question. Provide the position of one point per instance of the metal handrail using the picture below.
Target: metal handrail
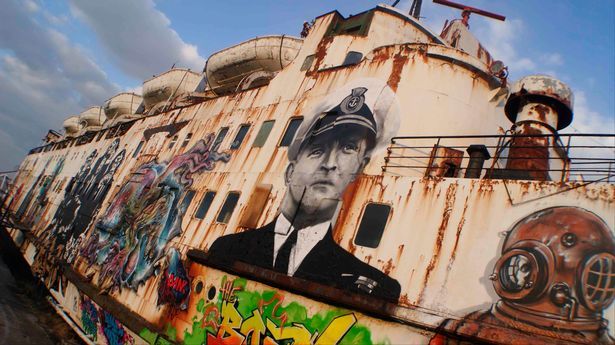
(580, 159)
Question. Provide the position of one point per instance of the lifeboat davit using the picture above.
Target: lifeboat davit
(72, 126)
(123, 107)
(92, 119)
(160, 90)
(250, 64)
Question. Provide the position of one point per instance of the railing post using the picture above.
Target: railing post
(388, 156)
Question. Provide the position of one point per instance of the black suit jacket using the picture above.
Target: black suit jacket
(327, 263)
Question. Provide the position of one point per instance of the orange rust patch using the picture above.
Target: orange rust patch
(400, 250)
(382, 54)
(530, 153)
(388, 267)
(450, 201)
(404, 300)
(399, 61)
(462, 222)
(347, 198)
(319, 56)
(542, 111)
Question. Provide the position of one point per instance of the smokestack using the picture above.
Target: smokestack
(538, 106)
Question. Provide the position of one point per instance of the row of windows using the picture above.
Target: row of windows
(109, 133)
(261, 136)
(224, 216)
(259, 141)
(372, 225)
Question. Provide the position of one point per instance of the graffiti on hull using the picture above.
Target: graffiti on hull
(95, 321)
(175, 284)
(232, 314)
(37, 198)
(131, 241)
(83, 196)
(555, 277)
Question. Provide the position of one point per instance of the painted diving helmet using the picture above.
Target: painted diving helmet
(557, 270)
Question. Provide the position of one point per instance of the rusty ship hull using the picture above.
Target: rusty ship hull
(452, 209)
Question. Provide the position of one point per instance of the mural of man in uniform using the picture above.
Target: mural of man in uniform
(332, 146)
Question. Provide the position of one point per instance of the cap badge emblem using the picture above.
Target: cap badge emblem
(354, 101)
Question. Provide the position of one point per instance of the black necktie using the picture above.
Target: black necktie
(281, 261)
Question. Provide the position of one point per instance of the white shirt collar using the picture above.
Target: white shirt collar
(282, 226)
(307, 238)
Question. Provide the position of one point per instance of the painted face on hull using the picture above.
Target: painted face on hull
(324, 167)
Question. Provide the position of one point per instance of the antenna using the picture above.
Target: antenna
(415, 9)
(467, 10)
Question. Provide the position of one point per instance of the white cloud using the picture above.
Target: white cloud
(141, 41)
(55, 20)
(552, 59)
(31, 6)
(587, 120)
(43, 78)
(502, 39)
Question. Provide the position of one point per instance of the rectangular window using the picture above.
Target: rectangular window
(373, 222)
(187, 139)
(263, 133)
(124, 127)
(205, 205)
(291, 129)
(138, 149)
(219, 138)
(227, 209)
(111, 132)
(188, 198)
(352, 58)
(100, 135)
(173, 141)
(307, 63)
(241, 134)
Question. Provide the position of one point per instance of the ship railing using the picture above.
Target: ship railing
(546, 157)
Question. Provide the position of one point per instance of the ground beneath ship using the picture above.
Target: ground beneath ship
(25, 315)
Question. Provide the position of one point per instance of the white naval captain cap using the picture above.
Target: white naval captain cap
(366, 103)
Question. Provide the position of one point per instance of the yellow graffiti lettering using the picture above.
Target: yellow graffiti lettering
(297, 332)
(253, 327)
(231, 321)
(336, 329)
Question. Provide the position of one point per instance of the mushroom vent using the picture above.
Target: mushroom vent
(541, 89)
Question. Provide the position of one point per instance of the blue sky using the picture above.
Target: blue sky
(58, 57)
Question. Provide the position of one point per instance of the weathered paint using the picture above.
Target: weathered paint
(233, 310)
(442, 237)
